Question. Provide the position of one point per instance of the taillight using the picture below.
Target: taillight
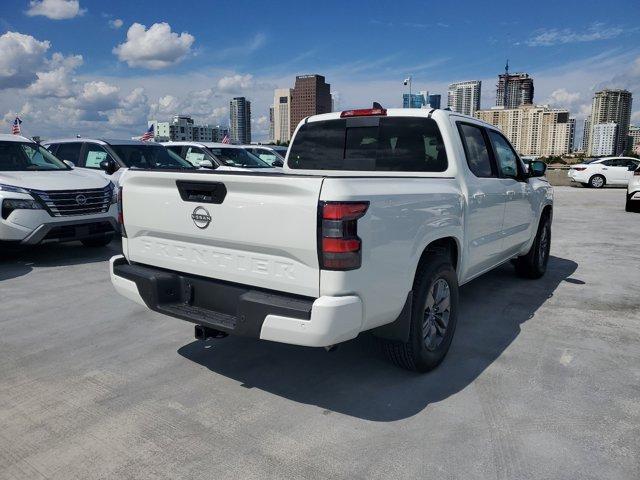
(339, 247)
(364, 112)
(121, 214)
(579, 169)
(637, 173)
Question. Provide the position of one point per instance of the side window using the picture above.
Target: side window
(177, 149)
(505, 155)
(69, 151)
(52, 148)
(609, 163)
(94, 154)
(194, 155)
(476, 150)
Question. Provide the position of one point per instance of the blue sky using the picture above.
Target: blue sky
(98, 68)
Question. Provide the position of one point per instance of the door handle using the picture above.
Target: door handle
(511, 193)
(605, 168)
(479, 196)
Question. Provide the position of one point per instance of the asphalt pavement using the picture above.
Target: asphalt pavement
(542, 380)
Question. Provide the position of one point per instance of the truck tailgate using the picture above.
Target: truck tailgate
(258, 230)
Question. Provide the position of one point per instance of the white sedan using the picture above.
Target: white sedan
(633, 193)
(604, 171)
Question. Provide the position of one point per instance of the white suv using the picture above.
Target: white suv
(45, 200)
(604, 171)
(633, 193)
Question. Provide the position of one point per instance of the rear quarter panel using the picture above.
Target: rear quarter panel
(399, 224)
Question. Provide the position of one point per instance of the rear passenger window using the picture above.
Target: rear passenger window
(400, 144)
(476, 150)
(69, 151)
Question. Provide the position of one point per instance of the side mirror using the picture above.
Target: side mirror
(277, 163)
(537, 168)
(109, 166)
(206, 164)
(69, 164)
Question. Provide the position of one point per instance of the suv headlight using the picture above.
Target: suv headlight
(11, 204)
(114, 193)
(11, 188)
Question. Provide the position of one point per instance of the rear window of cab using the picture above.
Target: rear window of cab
(394, 144)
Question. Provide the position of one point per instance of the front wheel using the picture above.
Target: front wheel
(534, 263)
(97, 241)
(434, 315)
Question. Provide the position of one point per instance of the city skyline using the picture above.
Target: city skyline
(115, 81)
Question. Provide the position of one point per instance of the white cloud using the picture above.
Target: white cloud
(155, 48)
(133, 110)
(98, 95)
(56, 82)
(563, 98)
(235, 83)
(116, 23)
(554, 36)
(55, 9)
(20, 57)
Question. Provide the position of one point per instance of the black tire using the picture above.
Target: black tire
(534, 263)
(594, 181)
(585, 185)
(421, 352)
(97, 241)
(632, 206)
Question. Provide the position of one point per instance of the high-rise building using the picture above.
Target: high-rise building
(572, 134)
(634, 138)
(434, 100)
(586, 132)
(282, 115)
(514, 89)
(612, 106)
(532, 129)
(414, 100)
(311, 95)
(240, 120)
(603, 139)
(464, 97)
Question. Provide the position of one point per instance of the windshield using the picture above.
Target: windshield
(150, 156)
(281, 150)
(23, 156)
(237, 157)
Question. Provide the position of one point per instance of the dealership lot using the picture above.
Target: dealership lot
(542, 380)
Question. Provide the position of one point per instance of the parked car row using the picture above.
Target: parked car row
(66, 189)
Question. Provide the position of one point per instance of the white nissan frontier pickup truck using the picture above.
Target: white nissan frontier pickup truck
(376, 219)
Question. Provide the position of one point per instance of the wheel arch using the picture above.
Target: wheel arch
(399, 329)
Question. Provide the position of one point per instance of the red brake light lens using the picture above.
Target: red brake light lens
(579, 169)
(637, 173)
(364, 112)
(339, 247)
(344, 211)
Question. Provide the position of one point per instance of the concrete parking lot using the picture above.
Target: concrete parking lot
(542, 381)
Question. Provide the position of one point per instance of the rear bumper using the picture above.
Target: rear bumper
(240, 309)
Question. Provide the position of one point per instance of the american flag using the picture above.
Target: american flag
(148, 135)
(225, 139)
(15, 129)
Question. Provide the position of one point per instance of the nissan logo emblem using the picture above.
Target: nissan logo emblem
(201, 217)
(81, 199)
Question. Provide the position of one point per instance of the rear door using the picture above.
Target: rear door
(486, 202)
(258, 230)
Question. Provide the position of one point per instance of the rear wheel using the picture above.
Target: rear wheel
(632, 206)
(434, 315)
(534, 263)
(597, 181)
(97, 241)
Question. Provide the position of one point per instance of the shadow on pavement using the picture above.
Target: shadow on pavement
(18, 261)
(356, 380)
